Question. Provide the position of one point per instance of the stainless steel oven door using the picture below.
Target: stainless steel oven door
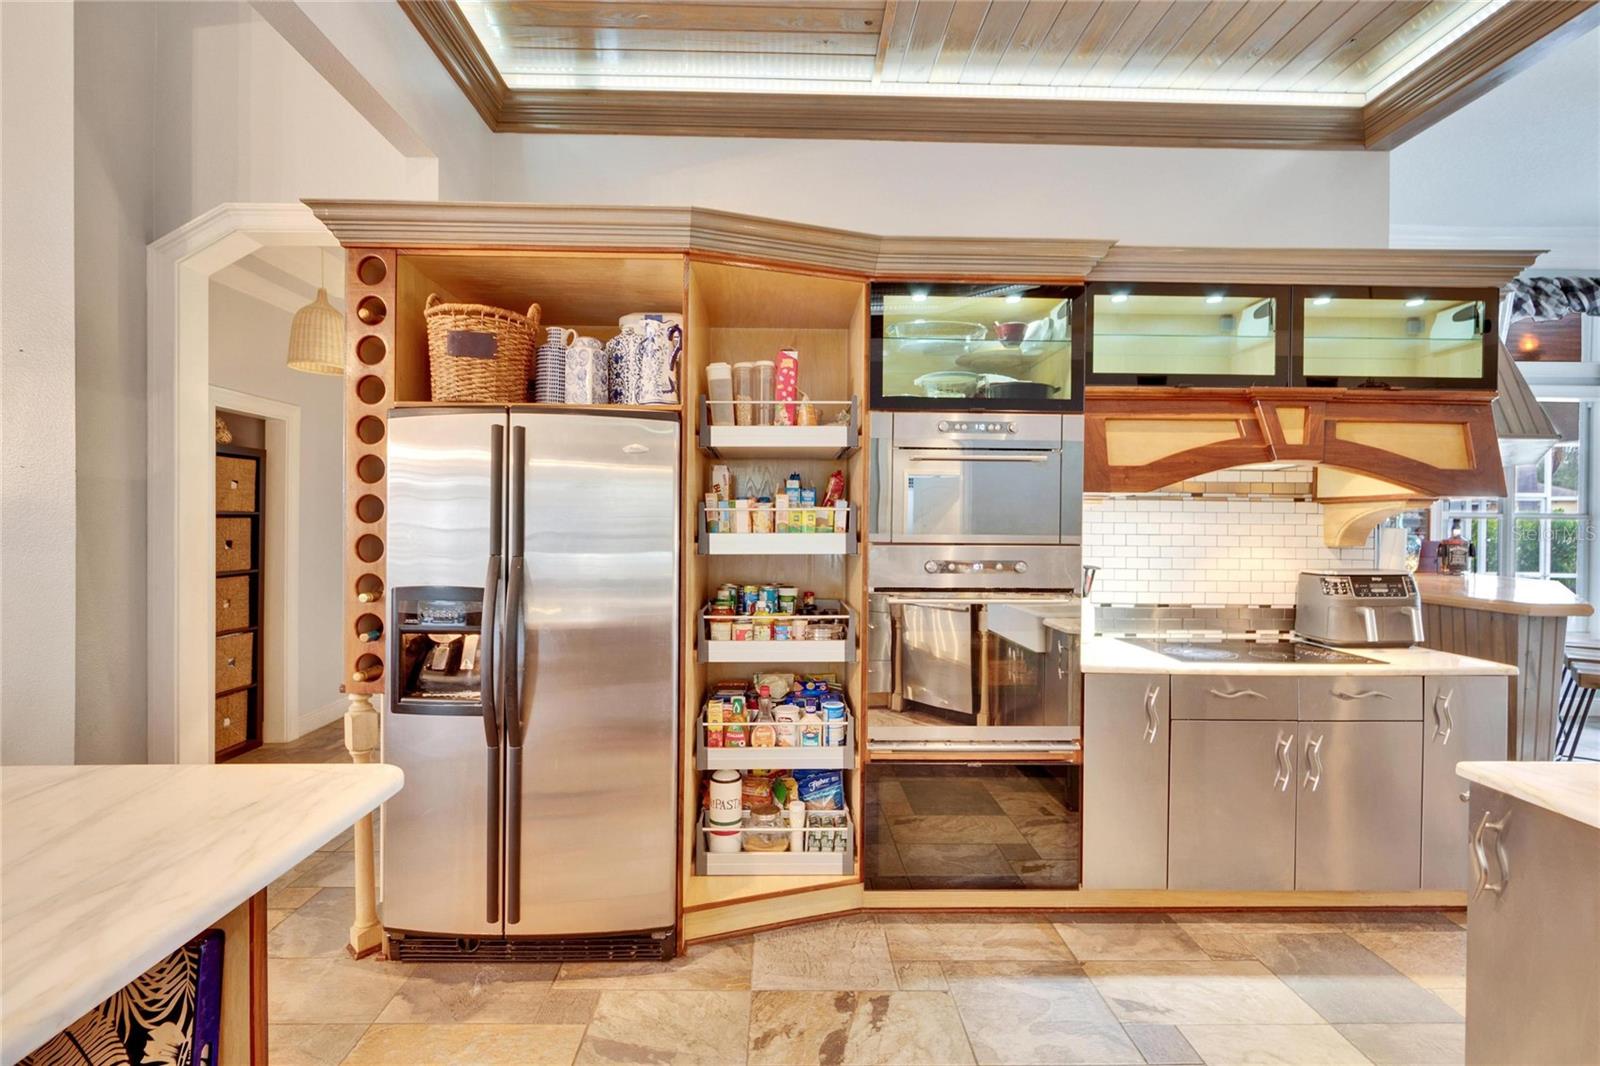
(937, 642)
(977, 496)
(974, 673)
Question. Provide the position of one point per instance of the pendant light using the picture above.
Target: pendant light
(316, 336)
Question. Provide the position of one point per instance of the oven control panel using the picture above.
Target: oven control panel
(947, 425)
(976, 566)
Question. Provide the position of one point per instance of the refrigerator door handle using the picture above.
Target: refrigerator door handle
(488, 680)
(516, 723)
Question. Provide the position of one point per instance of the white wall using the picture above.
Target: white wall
(1133, 195)
(243, 118)
(37, 378)
(248, 342)
(116, 55)
(1518, 167)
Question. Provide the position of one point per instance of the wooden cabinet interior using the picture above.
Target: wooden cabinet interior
(588, 293)
(737, 313)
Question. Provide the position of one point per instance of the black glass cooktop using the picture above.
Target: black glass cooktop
(1282, 651)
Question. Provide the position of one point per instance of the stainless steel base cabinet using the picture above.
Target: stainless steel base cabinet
(1125, 723)
(1464, 720)
(1533, 936)
(1359, 812)
(1233, 800)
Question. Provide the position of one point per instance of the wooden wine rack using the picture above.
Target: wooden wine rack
(370, 314)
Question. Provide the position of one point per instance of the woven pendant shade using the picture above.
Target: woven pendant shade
(316, 337)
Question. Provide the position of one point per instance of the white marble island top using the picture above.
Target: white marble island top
(105, 870)
(1571, 789)
(1109, 655)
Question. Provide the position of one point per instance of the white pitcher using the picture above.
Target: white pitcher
(587, 372)
(658, 366)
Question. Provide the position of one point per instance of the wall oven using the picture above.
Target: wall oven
(962, 656)
(964, 478)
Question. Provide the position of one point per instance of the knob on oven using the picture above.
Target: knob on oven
(1021, 567)
(944, 425)
(931, 566)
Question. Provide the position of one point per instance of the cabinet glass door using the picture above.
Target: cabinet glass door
(1367, 336)
(1186, 335)
(976, 347)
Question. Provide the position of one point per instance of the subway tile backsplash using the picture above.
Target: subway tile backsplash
(1209, 551)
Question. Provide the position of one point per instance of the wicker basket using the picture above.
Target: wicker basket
(477, 353)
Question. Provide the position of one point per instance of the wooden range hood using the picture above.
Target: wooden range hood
(1376, 453)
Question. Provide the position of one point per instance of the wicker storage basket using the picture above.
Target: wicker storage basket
(233, 602)
(236, 665)
(234, 549)
(236, 483)
(477, 353)
(233, 720)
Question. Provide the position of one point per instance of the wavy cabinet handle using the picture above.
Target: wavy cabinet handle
(1444, 723)
(1366, 694)
(1480, 855)
(1280, 780)
(1152, 721)
(1237, 694)
(1314, 758)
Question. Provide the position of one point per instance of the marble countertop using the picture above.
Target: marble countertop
(1571, 789)
(105, 870)
(1503, 595)
(1108, 655)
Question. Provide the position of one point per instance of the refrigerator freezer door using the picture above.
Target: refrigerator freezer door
(440, 872)
(599, 679)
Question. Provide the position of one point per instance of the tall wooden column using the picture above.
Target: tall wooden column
(361, 740)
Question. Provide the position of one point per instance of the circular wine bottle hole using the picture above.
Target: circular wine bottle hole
(369, 430)
(369, 549)
(369, 468)
(368, 625)
(369, 508)
(371, 270)
(370, 389)
(371, 350)
(370, 586)
(368, 668)
(372, 311)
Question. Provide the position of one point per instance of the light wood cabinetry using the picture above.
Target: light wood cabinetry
(1533, 935)
(1126, 719)
(1464, 720)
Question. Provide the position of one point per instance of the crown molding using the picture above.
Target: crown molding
(452, 38)
(1567, 248)
(423, 225)
(1329, 266)
(1509, 40)
(1486, 55)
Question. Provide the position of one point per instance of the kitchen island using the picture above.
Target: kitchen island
(106, 870)
(1517, 620)
(1533, 927)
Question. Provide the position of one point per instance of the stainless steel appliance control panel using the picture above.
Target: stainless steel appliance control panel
(1361, 609)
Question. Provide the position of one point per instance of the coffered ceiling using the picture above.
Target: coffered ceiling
(1260, 73)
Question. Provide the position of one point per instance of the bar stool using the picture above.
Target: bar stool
(1582, 682)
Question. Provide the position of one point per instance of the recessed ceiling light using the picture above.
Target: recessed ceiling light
(1119, 297)
(1014, 298)
(1214, 298)
(1322, 301)
(1415, 301)
(919, 296)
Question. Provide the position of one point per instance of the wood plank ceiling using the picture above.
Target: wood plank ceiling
(1318, 55)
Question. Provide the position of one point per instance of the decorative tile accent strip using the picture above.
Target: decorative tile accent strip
(1124, 620)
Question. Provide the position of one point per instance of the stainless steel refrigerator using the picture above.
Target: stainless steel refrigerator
(532, 687)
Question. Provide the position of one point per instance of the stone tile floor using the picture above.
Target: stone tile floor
(1254, 987)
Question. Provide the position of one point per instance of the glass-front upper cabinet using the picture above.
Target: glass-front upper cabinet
(1149, 334)
(994, 347)
(1401, 338)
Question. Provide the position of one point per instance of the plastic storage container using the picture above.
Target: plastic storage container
(744, 390)
(719, 389)
(764, 383)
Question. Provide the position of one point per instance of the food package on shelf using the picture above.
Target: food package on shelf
(786, 385)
